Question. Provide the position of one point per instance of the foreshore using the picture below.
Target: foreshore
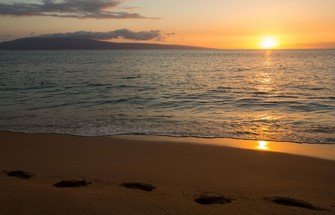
(184, 177)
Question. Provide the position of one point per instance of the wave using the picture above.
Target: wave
(231, 94)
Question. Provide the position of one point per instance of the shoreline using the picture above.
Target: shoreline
(314, 150)
(322, 151)
(251, 181)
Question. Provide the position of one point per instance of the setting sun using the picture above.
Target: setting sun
(269, 42)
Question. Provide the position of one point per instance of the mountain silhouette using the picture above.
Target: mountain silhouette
(39, 43)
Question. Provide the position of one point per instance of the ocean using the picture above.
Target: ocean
(274, 95)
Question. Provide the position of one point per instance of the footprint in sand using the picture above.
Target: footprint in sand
(20, 174)
(72, 183)
(139, 186)
(207, 199)
(287, 201)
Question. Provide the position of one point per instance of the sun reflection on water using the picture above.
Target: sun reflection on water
(263, 145)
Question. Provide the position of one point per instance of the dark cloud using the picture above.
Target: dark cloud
(121, 33)
(98, 9)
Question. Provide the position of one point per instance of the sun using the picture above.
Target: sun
(268, 42)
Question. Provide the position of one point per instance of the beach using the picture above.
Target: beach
(183, 177)
(111, 107)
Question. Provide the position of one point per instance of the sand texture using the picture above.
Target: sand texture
(62, 174)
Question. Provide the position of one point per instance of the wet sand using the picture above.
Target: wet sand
(63, 174)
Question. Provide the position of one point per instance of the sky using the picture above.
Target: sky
(223, 24)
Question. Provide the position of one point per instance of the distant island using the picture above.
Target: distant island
(45, 43)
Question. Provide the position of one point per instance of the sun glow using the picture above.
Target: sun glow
(268, 42)
(262, 145)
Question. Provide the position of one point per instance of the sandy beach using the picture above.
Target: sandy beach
(119, 175)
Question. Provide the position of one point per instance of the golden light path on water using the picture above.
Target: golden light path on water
(266, 83)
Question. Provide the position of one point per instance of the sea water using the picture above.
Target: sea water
(279, 95)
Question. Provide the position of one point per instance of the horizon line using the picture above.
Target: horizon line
(171, 44)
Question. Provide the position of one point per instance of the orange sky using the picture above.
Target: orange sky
(228, 24)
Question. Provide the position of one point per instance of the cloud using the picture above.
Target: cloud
(121, 33)
(97, 9)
